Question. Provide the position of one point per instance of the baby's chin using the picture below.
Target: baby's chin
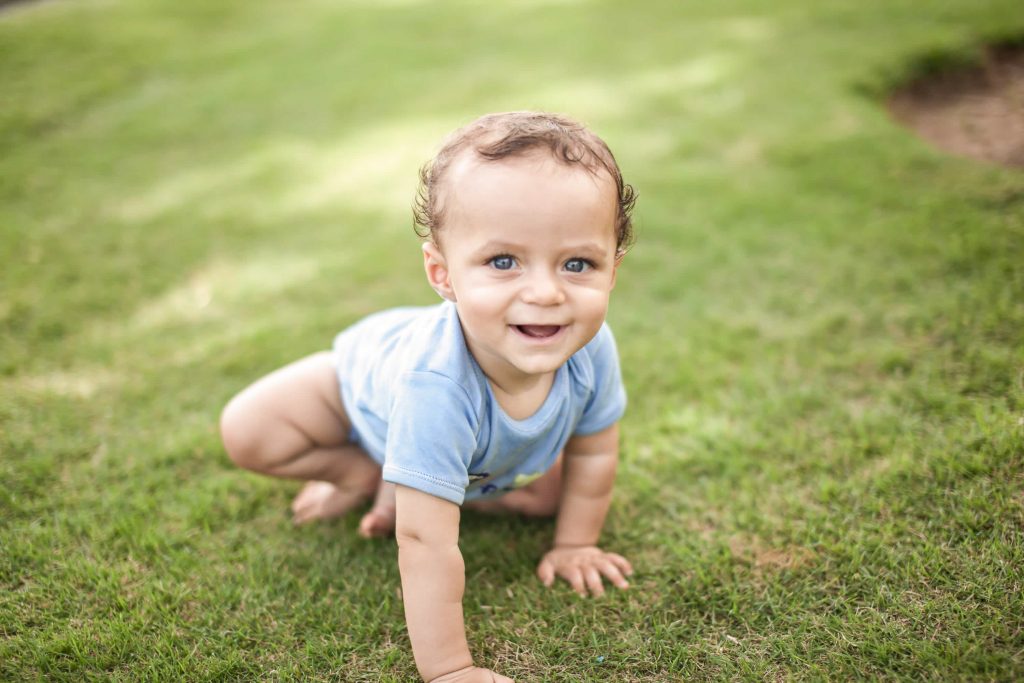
(542, 364)
(539, 368)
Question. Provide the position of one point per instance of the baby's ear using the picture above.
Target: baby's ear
(619, 255)
(436, 268)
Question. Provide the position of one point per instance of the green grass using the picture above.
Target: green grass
(821, 328)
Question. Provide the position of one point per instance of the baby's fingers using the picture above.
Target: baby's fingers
(546, 573)
(593, 579)
(614, 575)
(620, 562)
(575, 578)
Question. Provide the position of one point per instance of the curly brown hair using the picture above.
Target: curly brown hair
(497, 136)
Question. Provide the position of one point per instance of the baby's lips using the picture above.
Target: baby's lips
(539, 330)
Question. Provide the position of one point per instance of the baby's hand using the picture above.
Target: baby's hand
(472, 674)
(583, 567)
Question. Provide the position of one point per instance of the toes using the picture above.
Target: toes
(377, 524)
(306, 502)
(302, 514)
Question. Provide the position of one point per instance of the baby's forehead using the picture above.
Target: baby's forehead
(524, 189)
(465, 167)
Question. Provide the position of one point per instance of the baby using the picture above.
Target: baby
(503, 398)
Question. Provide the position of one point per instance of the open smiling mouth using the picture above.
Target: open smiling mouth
(538, 331)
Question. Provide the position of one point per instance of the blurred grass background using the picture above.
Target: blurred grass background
(821, 329)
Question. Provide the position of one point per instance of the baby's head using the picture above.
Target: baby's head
(496, 137)
(527, 219)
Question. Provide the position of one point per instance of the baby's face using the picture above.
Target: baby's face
(528, 254)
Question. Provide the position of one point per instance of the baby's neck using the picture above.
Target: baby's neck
(523, 399)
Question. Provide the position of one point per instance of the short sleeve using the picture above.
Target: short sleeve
(607, 402)
(431, 439)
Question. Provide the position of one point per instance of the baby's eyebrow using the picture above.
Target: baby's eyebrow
(497, 247)
(588, 249)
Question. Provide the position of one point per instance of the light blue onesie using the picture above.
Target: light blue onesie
(422, 408)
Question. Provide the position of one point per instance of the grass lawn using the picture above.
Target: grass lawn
(821, 326)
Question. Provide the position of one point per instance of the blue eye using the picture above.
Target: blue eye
(577, 265)
(503, 262)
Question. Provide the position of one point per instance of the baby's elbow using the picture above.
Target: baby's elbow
(419, 537)
(411, 531)
(425, 520)
(407, 535)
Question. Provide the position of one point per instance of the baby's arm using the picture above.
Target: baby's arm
(433, 581)
(589, 475)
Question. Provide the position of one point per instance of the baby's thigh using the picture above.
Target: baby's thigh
(300, 400)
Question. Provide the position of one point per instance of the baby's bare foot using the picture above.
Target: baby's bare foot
(323, 500)
(377, 523)
(380, 520)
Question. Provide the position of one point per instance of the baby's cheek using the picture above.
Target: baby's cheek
(593, 304)
(481, 318)
(485, 302)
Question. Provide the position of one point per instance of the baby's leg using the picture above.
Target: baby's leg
(380, 520)
(292, 424)
(539, 498)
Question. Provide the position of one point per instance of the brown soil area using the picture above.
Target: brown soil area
(971, 111)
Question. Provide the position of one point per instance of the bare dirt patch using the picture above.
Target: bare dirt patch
(970, 110)
(754, 552)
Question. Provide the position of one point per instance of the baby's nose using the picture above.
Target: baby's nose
(543, 289)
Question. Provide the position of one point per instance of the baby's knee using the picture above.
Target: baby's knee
(238, 436)
(546, 506)
(538, 505)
